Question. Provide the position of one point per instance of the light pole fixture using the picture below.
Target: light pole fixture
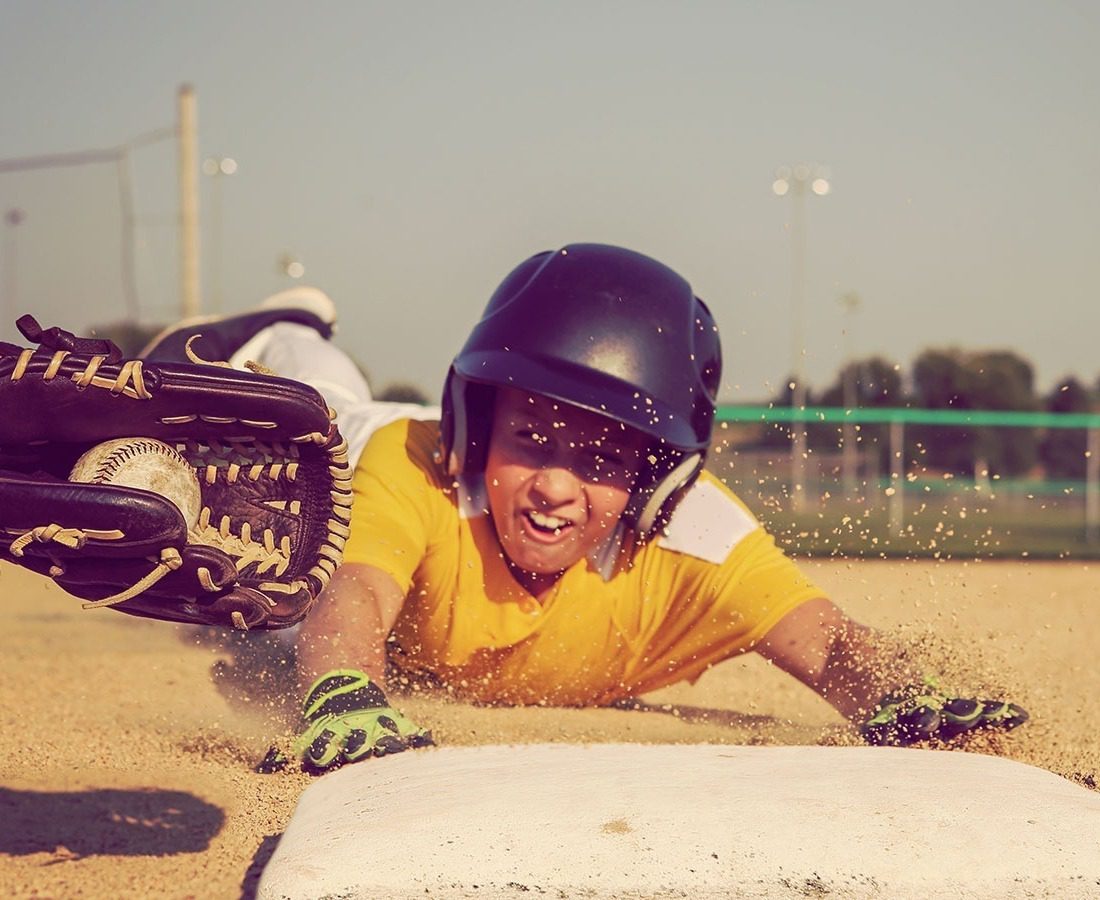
(798, 181)
(291, 266)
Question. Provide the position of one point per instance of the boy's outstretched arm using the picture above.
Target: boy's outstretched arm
(846, 663)
(341, 669)
(864, 677)
(348, 627)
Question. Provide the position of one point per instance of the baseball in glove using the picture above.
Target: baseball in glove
(269, 515)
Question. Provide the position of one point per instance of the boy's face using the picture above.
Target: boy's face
(558, 479)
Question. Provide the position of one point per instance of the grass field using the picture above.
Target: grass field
(936, 517)
(837, 530)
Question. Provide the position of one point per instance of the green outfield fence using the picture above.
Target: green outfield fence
(845, 499)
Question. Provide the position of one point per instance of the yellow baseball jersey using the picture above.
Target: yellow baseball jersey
(635, 619)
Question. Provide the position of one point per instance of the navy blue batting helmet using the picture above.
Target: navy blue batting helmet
(607, 330)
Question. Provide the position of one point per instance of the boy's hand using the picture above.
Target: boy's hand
(922, 712)
(348, 719)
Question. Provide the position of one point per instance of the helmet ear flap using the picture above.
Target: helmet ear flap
(452, 424)
(466, 424)
(651, 505)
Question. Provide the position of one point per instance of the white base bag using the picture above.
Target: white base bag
(698, 821)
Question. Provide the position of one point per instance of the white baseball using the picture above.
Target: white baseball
(145, 464)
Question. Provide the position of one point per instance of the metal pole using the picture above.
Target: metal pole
(190, 290)
(796, 180)
(1092, 486)
(799, 448)
(850, 457)
(896, 490)
(849, 451)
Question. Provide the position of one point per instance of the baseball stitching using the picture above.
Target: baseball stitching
(111, 463)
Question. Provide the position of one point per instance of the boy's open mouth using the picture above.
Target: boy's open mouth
(543, 523)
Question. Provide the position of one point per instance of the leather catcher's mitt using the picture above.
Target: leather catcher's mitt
(272, 468)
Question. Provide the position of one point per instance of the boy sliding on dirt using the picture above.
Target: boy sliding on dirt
(553, 539)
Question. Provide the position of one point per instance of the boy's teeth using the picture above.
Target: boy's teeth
(544, 521)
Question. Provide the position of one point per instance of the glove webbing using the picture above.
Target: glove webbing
(265, 552)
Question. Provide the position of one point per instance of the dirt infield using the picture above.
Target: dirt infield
(125, 768)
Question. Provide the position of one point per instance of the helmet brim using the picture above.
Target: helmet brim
(585, 389)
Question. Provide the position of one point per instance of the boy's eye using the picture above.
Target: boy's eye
(606, 466)
(531, 436)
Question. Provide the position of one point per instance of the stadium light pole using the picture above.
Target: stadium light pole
(187, 141)
(797, 181)
(217, 168)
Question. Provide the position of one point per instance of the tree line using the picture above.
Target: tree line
(962, 380)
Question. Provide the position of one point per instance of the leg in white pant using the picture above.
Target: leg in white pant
(297, 351)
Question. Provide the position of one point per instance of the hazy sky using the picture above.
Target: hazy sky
(410, 154)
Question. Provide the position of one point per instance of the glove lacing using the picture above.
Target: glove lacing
(170, 560)
(130, 379)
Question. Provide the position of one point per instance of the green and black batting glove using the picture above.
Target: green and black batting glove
(921, 712)
(348, 718)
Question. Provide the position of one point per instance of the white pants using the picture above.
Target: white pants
(297, 351)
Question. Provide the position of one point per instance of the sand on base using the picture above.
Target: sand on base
(126, 768)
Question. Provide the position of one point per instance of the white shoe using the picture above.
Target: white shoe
(221, 338)
(303, 297)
